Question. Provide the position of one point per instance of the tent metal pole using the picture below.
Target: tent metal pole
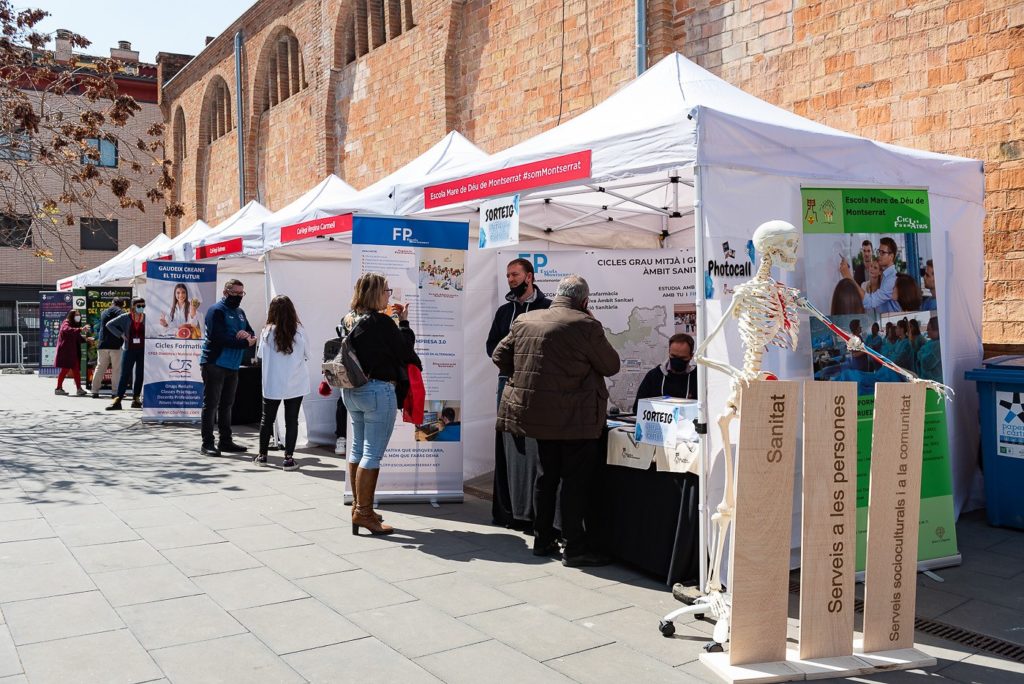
(702, 374)
(650, 185)
(631, 200)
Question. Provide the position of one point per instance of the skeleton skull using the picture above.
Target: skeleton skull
(780, 240)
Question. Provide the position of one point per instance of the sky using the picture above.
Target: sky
(179, 26)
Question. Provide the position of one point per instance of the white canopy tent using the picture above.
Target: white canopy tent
(95, 276)
(125, 270)
(180, 248)
(679, 147)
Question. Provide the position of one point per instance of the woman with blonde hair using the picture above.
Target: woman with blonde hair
(283, 353)
(384, 350)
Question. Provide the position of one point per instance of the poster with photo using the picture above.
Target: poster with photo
(98, 300)
(177, 297)
(425, 265)
(53, 309)
(868, 266)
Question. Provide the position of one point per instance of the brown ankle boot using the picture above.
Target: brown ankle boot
(363, 515)
(352, 467)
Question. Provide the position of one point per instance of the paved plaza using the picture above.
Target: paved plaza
(126, 556)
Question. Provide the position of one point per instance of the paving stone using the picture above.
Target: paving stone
(248, 588)
(240, 658)
(179, 621)
(495, 569)
(228, 517)
(10, 663)
(638, 629)
(309, 519)
(648, 594)
(562, 598)
(298, 625)
(991, 563)
(24, 530)
(615, 664)
(38, 579)
(1014, 546)
(457, 594)
(502, 665)
(982, 667)
(118, 556)
(353, 591)
(987, 618)
(178, 536)
(341, 541)
(397, 564)
(367, 661)
(161, 515)
(105, 658)
(275, 503)
(14, 679)
(303, 561)
(90, 534)
(416, 629)
(210, 558)
(536, 633)
(18, 511)
(85, 514)
(932, 603)
(142, 585)
(59, 617)
(263, 537)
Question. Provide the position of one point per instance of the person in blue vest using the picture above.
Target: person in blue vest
(227, 337)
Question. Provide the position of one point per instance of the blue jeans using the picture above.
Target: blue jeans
(372, 408)
(131, 363)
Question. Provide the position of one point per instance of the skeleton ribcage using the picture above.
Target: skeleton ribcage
(767, 315)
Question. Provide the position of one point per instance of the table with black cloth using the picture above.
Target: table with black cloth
(248, 406)
(644, 517)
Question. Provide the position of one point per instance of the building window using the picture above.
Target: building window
(99, 234)
(16, 231)
(371, 23)
(15, 146)
(285, 70)
(102, 152)
(218, 112)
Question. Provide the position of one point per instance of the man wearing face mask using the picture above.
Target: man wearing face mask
(676, 377)
(523, 296)
(130, 327)
(557, 361)
(227, 335)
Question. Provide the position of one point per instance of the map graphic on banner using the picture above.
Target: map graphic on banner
(178, 295)
(867, 252)
(641, 297)
(424, 263)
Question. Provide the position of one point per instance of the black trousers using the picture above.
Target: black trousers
(219, 385)
(569, 462)
(291, 423)
(340, 419)
(131, 364)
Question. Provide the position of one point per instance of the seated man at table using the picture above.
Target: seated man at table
(676, 377)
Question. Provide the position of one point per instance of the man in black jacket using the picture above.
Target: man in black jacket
(677, 377)
(523, 296)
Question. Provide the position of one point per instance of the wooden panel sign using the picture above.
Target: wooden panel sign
(828, 547)
(762, 527)
(894, 499)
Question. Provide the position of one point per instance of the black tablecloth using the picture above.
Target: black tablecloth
(248, 406)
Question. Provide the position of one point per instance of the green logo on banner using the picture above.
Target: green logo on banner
(865, 210)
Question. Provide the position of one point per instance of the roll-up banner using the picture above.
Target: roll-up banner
(425, 266)
(642, 297)
(53, 309)
(97, 300)
(177, 297)
(868, 261)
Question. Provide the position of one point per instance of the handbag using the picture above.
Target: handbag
(344, 370)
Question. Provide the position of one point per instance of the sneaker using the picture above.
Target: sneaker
(590, 559)
(136, 403)
(207, 449)
(339, 446)
(116, 406)
(95, 395)
(60, 392)
(231, 448)
(81, 393)
(259, 459)
(289, 464)
(542, 548)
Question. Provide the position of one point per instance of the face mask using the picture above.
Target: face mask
(76, 319)
(677, 365)
(234, 301)
(140, 309)
(519, 290)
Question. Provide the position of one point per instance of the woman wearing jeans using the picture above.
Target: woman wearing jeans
(384, 350)
(283, 351)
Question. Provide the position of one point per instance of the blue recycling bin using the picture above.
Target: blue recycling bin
(1001, 399)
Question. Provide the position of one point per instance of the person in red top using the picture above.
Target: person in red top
(70, 339)
(131, 327)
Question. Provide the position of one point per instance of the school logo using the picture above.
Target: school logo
(180, 367)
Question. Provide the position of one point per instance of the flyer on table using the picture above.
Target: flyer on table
(178, 295)
(425, 266)
(868, 254)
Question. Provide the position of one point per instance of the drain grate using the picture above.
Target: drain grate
(958, 635)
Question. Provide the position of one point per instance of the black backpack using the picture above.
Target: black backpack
(341, 366)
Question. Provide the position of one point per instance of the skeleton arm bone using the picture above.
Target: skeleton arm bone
(720, 366)
(854, 343)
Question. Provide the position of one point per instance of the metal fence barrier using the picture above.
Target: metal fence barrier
(12, 350)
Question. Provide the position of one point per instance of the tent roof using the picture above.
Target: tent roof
(194, 233)
(94, 276)
(452, 150)
(677, 114)
(245, 225)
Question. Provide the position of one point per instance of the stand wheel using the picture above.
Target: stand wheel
(713, 647)
(666, 628)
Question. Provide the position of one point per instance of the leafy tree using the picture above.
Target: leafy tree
(57, 120)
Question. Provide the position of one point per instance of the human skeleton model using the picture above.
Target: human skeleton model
(767, 313)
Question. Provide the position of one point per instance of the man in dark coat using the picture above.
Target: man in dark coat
(677, 377)
(556, 361)
(523, 296)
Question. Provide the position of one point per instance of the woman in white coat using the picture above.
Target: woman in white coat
(284, 353)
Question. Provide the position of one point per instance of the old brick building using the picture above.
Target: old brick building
(358, 87)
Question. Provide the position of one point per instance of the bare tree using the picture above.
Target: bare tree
(55, 118)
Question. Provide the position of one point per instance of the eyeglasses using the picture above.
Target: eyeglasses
(884, 251)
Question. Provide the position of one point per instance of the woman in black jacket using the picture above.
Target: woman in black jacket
(384, 350)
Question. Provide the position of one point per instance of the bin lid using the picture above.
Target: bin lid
(1007, 362)
(999, 369)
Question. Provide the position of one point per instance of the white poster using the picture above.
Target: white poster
(642, 297)
(1010, 424)
(178, 295)
(499, 222)
(425, 265)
